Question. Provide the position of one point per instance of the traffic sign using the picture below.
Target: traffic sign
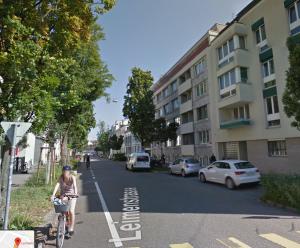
(19, 127)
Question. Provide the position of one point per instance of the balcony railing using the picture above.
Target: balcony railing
(235, 123)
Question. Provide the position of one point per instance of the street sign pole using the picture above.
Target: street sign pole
(10, 173)
(14, 132)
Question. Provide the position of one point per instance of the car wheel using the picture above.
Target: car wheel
(230, 183)
(183, 174)
(202, 178)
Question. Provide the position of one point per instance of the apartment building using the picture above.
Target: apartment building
(247, 65)
(181, 96)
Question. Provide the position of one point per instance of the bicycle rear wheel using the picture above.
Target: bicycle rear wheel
(61, 229)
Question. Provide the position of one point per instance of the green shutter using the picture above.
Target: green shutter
(266, 55)
(257, 24)
(294, 39)
(235, 124)
(288, 3)
(270, 92)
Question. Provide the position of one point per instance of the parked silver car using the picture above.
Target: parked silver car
(185, 166)
(232, 173)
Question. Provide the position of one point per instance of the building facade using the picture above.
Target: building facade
(182, 96)
(226, 91)
(248, 64)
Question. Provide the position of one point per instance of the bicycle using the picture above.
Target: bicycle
(62, 207)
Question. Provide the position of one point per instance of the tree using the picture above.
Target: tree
(163, 131)
(116, 142)
(139, 107)
(291, 96)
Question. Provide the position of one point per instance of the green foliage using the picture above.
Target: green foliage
(163, 132)
(116, 142)
(119, 157)
(103, 138)
(291, 96)
(282, 189)
(138, 106)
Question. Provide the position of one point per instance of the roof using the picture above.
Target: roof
(243, 12)
(193, 52)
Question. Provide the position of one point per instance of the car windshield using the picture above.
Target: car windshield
(143, 159)
(244, 165)
(192, 161)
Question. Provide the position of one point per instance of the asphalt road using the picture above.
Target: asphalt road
(157, 210)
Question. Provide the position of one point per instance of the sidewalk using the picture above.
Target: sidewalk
(20, 179)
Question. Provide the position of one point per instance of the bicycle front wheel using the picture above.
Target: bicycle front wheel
(61, 229)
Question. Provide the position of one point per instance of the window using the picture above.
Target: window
(166, 92)
(226, 49)
(168, 108)
(188, 139)
(243, 165)
(161, 112)
(175, 103)
(204, 137)
(272, 105)
(187, 117)
(202, 113)
(227, 79)
(268, 68)
(242, 112)
(242, 42)
(277, 148)
(174, 86)
(244, 74)
(185, 76)
(200, 67)
(260, 34)
(159, 97)
(292, 14)
(270, 84)
(201, 88)
(186, 96)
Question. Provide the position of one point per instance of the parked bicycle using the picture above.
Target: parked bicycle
(62, 206)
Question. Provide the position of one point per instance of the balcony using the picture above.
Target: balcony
(185, 107)
(239, 58)
(187, 128)
(235, 123)
(186, 85)
(238, 93)
(235, 28)
(187, 150)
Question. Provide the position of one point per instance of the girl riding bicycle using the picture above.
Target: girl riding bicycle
(67, 185)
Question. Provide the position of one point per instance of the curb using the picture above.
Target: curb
(277, 205)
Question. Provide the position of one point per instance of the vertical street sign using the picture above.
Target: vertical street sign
(14, 132)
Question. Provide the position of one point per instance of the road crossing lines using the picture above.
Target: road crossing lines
(272, 237)
(184, 245)
(237, 243)
(279, 240)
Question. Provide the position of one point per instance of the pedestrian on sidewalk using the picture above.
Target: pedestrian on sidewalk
(212, 158)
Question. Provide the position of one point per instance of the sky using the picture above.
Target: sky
(153, 35)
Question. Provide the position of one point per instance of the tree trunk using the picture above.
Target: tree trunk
(48, 166)
(64, 149)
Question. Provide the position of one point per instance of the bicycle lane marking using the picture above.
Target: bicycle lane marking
(111, 225)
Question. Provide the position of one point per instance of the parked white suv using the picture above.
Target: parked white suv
(232, 173)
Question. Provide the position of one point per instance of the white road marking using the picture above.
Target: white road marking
(113, 230)
(279, 240)
(239, 243)
(223, 243)
(185, 245)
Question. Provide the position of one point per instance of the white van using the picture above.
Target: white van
(140, 160)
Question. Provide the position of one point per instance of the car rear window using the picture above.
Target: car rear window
(244, 165)
(142, 159)
(192, 161)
